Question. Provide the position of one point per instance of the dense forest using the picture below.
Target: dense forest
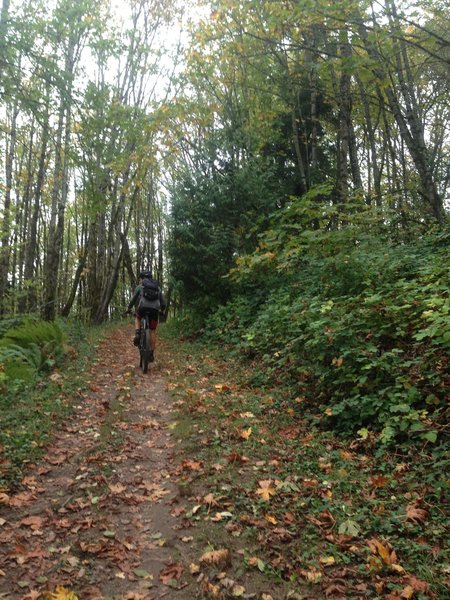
(282, 167)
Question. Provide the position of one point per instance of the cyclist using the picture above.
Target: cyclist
(151, 307)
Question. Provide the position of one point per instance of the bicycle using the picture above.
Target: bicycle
(145, 350)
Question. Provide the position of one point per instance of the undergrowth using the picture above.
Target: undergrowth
(41, 367)
(301, 510)
(358, 327)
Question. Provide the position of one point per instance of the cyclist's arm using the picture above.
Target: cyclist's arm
(135, 298)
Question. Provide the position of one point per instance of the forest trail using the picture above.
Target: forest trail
(97, 515)
(221, 489)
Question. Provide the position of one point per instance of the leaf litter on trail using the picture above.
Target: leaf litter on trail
(171, 575)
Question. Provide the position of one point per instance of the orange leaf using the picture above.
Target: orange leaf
(378, 481)
(194, 465)
(220, 557)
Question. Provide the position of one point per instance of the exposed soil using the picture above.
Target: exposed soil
(99, 515)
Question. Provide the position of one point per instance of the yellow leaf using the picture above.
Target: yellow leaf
(266, 489)
(222, 387)
(62, 594)
(271, 519)
(327, 560)
(246, 433)
(312, 575)
(407, 592)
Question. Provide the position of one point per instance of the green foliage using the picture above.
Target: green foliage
(358, 325)
(29, 413)
(29, 347)
(213, 221)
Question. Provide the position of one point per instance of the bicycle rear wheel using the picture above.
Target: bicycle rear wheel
(146, 351)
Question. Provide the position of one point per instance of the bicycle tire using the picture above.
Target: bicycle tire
(146, 350)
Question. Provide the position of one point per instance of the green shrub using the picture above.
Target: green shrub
(360, 329)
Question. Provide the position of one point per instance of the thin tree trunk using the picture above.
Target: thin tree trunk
(76, 281)
(59, 193)
(410, 127)
(6, 225)
(32, 242)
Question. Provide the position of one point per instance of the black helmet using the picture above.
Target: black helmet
(145, 274)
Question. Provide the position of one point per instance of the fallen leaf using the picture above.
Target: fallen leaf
(171, 574)
(407, 592)
(415, 514)
(235, 457)
(117, 488)
(194, 465)
(35, 522)
(220, 516)
(220, 557)
(271, 519)
(210, 500)
(62, 593)
(383, 555)
(378, 481)
(266, 489)
(418, 585)
(245, 433)
(222, 387)
(238, 591)
(312, 575)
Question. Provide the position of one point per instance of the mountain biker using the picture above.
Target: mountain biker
(152, 308)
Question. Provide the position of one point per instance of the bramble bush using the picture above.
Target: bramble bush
(358, 325)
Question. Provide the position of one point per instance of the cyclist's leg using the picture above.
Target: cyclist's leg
(137, 325)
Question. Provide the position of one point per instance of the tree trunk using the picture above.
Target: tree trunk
(6, 225)
(32, 245)
(59, 192)
(410, 126)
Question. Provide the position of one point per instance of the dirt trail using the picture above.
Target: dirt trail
(99, 514)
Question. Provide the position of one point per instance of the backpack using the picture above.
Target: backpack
(150, 290)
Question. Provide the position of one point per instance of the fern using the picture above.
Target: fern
(47, 335)
(21, 363)
(7, 324)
